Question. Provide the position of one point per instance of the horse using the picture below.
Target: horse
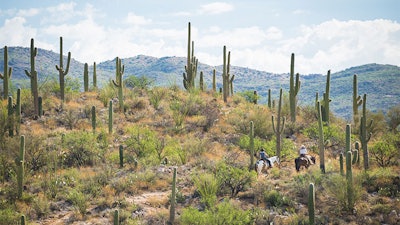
(303, 161)
(262, 165)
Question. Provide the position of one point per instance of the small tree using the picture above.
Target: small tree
(384, 153)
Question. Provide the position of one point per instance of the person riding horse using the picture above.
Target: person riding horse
(303, 153)
(264, 156)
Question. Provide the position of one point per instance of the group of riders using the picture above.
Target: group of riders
(302, 152)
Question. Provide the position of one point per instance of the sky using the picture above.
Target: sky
(260, 34)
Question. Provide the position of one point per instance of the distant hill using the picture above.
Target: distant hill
(380, 82)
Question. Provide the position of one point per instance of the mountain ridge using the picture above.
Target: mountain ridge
(378, 81)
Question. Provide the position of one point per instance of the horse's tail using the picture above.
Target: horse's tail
(297, 164)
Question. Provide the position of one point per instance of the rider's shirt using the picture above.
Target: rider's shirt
(303, 151)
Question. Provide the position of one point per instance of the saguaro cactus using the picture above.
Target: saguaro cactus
(321, 142)
(93, 111)
(40, 102)
(121, 156)
(326, 99)
(251, 147)
(94, 76)
(173, 199)
(364, 136)
(341, 164)
(214, 82)
(86, 78)
(6, 76)
(116, 217)
(18, 111)
(269, 99)
(227, 80)
(34, 78)
(201, 84)
(357, 148)
(294, 90)
(191, 65)
(118, 82)
(110, 117)
(20, 168)
(357, 101)
(23, 220)
(11, 117)
(61, 71)
(279, 127)
(311, 204)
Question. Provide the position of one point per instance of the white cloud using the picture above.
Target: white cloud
(15, 33)
(136, 20)
(216, 8)
(28, 12)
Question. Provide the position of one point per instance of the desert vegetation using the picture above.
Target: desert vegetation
(130, 152)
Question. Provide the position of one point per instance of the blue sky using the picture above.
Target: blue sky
(261, 34)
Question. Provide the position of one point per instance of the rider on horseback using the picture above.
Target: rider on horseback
(303, 153)
(264, 156)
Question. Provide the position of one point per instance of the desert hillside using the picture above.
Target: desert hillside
(89, 157)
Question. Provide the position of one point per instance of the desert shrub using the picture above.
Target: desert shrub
(142, 82)
(193, 104)
(336, 186)
(81, 149)
(179, 113)
(79, 200)
(223, 213)
(41, 206)
(107, 92)
(249, 96)
(234, 179)
(142, 142)
(207, 186)
(8, 216)
(384, 151)
(240, 118)
(211, 112)
(383, 181)
(275, 199)
(156, 95)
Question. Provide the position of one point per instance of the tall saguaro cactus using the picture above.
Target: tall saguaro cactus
(6, 76)
(191, 65)
(94, 76)
(294, 90)
(364, 135)
(20, 168)
(279, 127)
(18, 111)
(357, 101)
(311, 204)
(93, 111)
(326, 99)
(321, 142)
(173, 199)
(118, 82)
(349, 172)
(116, 217)
(32, 74)
(86, 78)
(214, 82)
(63, 71)
(227, 80)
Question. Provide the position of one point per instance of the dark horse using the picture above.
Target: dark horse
(302, 161)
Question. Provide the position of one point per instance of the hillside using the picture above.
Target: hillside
(80, 172)
(380, 82)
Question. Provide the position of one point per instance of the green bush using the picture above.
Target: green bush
(207, 185)
(81, 149)
(223, 213)
(79, 200)
(234, 179)
(276, 199)
(384, 151)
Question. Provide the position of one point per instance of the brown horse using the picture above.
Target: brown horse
(303, 161)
